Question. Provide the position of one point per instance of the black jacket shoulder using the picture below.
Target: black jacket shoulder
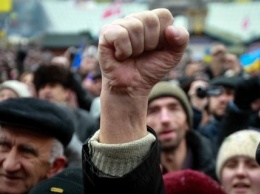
(203, 152)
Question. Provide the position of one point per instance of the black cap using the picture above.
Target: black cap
(225, 81)
(69, 181)
(38, 115)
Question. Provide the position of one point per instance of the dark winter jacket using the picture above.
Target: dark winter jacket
(203, 153)
(201, 156)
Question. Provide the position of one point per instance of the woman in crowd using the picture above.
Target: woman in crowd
(237, 169)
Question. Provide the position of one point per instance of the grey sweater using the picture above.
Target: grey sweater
(116, 160)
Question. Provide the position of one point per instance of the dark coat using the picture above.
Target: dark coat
(235, 120)
(211, 131)
(85, 124)
(203, 153)
(145, 179)
(201, 156)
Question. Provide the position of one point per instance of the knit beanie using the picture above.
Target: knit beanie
(18, 87)
(167, 89)
(240, 143)
(190, 182)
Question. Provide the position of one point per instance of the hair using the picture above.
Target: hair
(52, 74)
(57, 150)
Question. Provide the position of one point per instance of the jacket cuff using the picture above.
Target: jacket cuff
(116, 160)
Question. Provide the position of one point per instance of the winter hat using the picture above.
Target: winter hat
(190, 182)
(167, 89)
(52, 74)
(18, 87)
(69, 181)
(38, 115)
(240, 143)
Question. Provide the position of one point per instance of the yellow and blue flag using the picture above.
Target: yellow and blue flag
(251, 61)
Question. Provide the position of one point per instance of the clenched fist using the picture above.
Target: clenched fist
(137, 51)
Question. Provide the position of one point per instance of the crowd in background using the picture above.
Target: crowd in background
(219, 101)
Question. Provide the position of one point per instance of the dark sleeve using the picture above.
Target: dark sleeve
(144, 179)
(84, 98)
(233, 120)
(197, 117)
(255, 121)
(86, 124)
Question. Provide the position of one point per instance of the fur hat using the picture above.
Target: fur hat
(69, 181)
(18, 87)
(167, 89)
(38, 115)
(240, 143)
(51, 74)
(190, 182)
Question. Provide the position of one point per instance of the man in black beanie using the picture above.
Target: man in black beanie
(33, 136)
(243, 111)
(222, 91)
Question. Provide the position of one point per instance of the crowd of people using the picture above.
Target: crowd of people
(124, 121)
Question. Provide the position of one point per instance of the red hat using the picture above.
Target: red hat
(190, 182)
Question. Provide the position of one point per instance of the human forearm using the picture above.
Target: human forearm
(123, 117)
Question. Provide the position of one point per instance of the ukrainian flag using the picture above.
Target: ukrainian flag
(251, 61)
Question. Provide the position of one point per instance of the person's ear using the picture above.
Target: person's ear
(69, 94)
(57, 166)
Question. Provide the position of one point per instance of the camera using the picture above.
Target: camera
(203, 92)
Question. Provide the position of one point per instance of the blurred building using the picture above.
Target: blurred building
(58, 24)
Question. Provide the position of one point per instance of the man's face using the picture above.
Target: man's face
(169, 120)
(93, 86)
(218, 104)
(24, 159)
(87, 64)
(54, 93)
